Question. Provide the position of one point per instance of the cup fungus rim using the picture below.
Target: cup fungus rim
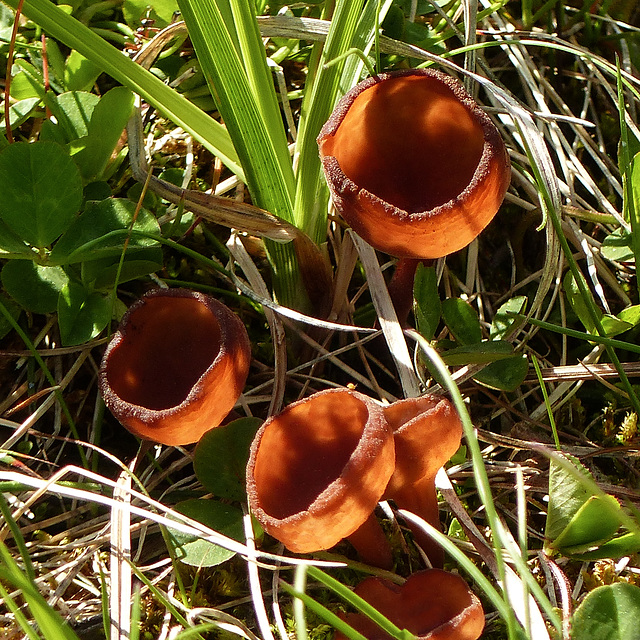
(493, 148)
(369, 441)
(219, 312)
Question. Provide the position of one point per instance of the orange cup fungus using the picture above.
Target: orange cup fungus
(318, 469)
(414, 165)
(432, 604)
(175, 367)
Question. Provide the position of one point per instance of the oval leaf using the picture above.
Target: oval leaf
(220, 459)
(462, 320)
(41, 191)
(82, 315)
(34, 287)
(608, 613)
(223, 518)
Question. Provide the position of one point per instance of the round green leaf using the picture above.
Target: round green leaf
(223, 518)
(462, 320)
(102, 230)
(608, 613)
(504, 375)
(82, 315)
(35, 287)
(220, 459)
(41, 191)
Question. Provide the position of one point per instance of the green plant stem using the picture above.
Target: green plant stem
(479, 470)
(545, 395)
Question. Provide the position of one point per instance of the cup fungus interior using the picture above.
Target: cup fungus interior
(420, 146)
(304, 450)
(158, 362)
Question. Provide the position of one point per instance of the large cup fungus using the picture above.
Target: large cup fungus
(317, 470)
(176, 366)
(414, 165)
(431, 604)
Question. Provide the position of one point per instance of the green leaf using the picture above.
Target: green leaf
(100, 232)
(102, 274)
(26, 81)
(73, 111)
(223, 518)
(161, 12)
(462, 321)
(610, 612)
(503, 321)
(41, 191)
(617, 246)
(109, 118)
(631, 315)
(575, 517)
(577, 302)
(594, 523)
(80, 74)
(11, 245)
(82, 315)
(623, 545)
(504, 375)
(34, 287)
(427, 308)
(478, 353)
(221, 456)
(614, 326)
(20, 111)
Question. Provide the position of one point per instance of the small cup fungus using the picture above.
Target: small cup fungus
(175, 367)
(414, 165)
(317, 470)
(431, 604)
(427, 432)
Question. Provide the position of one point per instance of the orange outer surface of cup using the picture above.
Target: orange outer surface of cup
(431, 604)
(175, 367)
(317, 470)
(414, 165)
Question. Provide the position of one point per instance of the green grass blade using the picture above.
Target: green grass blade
(21, 619)
(48, 620)
(247, 102)
(169, 102)
(17, 536)
(350, 26)
(270, 181)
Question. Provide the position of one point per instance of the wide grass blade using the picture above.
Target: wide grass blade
(352, 25)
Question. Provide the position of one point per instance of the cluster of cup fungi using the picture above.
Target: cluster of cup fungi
(418, 170)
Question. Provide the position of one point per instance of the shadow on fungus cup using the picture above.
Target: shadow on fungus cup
(175, 367)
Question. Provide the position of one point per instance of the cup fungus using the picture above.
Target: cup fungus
(317, 470)
(426, 432)
(175, 367)
(432, 604)
(414, 165)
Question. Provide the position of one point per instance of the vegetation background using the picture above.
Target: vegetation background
(532, 329)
